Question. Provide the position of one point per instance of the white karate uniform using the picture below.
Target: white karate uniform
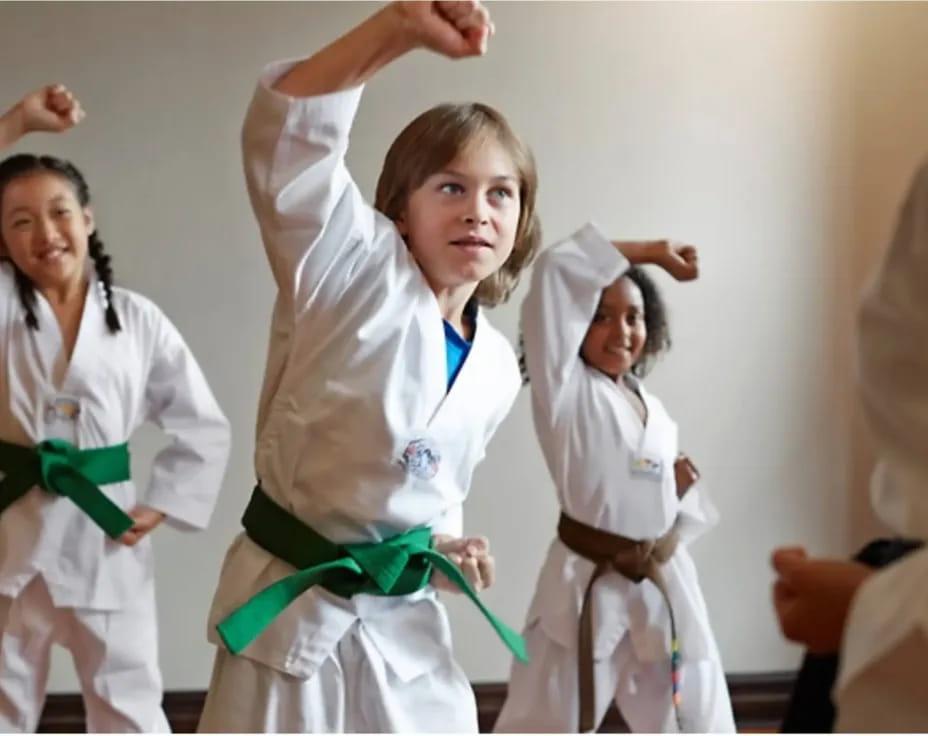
(354, 407)
(884, 655)
(591, 437)
(61, 578)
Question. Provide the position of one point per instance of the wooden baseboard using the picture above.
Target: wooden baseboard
(758, 699)
(759, 702)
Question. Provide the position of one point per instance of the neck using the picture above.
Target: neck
(451, 303)
(66, 294)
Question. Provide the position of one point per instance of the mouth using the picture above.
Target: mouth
(51, 255)
(471, 241)
(619, 349)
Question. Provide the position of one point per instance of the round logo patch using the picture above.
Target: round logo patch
(421, 459)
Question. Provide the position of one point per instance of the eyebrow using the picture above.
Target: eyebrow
(57, 198)
(613, 306)
(460, 175)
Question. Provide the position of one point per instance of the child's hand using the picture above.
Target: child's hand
(454, 29)
(812, 597)
(145, 520)
(471, 555)
(685, 474)
(52, 109)
(677, 259)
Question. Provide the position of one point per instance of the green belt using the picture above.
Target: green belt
(60, 468)
(397, 566)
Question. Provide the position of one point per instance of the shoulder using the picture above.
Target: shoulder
(139, 313)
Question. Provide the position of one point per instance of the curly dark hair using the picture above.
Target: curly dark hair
(655, 320)
(26, 164)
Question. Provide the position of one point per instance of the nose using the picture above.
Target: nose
(624, 334)
(46, 232)
(621, 331)
(476, 211)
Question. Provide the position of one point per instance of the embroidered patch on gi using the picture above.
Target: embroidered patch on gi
(421, 459)
(65, 408)
(647, 467)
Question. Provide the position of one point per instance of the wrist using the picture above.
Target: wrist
(393, 32)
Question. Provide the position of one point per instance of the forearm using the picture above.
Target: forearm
(11, 127)
(352, 59)
(637, 252)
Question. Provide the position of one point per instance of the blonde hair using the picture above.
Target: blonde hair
(434, 139)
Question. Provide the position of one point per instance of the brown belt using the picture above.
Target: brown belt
(635, 560)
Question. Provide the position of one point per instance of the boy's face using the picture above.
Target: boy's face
(461, 224)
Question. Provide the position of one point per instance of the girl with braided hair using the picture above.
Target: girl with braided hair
(84, 364)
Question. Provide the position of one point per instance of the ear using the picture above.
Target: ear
(89, 221)
(401, 225)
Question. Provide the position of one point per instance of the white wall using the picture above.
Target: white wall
(750, 130)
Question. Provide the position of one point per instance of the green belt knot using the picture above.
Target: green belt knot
(396, 566)
(61, 468)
